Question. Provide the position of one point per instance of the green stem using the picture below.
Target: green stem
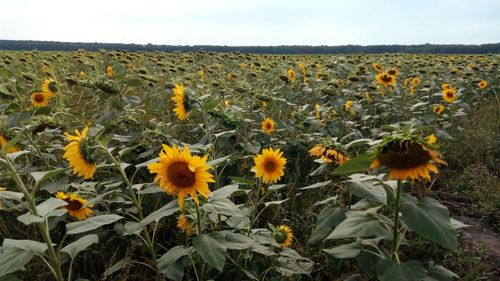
(198, 220)
(395, 229)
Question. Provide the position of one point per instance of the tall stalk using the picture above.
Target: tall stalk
(395, 228)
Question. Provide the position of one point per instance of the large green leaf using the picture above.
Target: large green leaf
(91, 223)
(49, 205)
(164, 211)
(81, 244)
(440, 273)
(117, 266)
(431, 220)
(237, 241)
(316, 185)
(360, 224)
(412, 270)
(355, 165)
(170, 264)
(346, 251)
(212, 248)
(45, 175)
(328, 218)
(223, 206)
(368, 190)
(15, 254)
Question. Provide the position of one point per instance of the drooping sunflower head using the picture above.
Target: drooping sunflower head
(268, 126)
(180, 173)
(378, 68)
(283, 235)
(40, 99)
(393, 71)
(407, 157)
(446, 86)
(49, 86)
(77, 206)
(81, 153)
(329, 154)
(317, 150)
(182, 103)
(269, 165)
(292, 76)
(438, 109)
(482, 84)
(186, 224)
(109, 71)
(449, 95)
(385, 79)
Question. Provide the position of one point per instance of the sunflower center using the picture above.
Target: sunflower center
(280, 236)
(39, 97)
(403, 155)
(386, 78)
(269, 126)
(87, 151)
(269, 166)
(73, 205)
(180, 175)
(449, 94)
(392, 72)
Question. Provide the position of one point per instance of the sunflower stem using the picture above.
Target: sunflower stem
(395, 229)
(198, 220)
(211, 150)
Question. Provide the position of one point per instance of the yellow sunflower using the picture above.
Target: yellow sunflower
(182, 106)
(335, 156)
(378, 68)
(109, 71)
(438, 109)
(201, 74)
(243, 66)
(407, 159)
(446, 86)
(268, 126)
(317, 150)
(283, 235)
(385, 79)
(415, 81)
(186, 224)
(348, 104)
(483, 84)
(4, 140)
(40, 99)
(431, 139)
(79, 154)
(49, 86)
(269, 165)
(449, 95)
(180, 173)
(77, 206)
(292, 76)
(393, 72)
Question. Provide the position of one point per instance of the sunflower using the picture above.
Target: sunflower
(180, 173)
(449, 95)
(182, 105)
(79, 154)
(201, 74)
(269, 165)
(407, 158)
(49, 86)
(40, 99)
(317, 150)
(283, 235)
(4, 140)
(368, 97)
(431, 139)
(348, 104)
(483, 84)
(393, 72)
(77, 206)
(446, 86)
(438, 109)
(334, 155)
(292, 76)
(415, 81)
(186, 224)
(268, 126)
(243, 66)
(385, 79)
(109, 71)
(378, 68)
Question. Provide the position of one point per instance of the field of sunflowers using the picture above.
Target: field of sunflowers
(122, 165)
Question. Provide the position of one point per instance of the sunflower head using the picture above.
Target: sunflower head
(483, 84)
(283, 235)
(269, 165)
(4, 140)
(81, 153)
(49, 86)
(186, 224)
(201, 74)
(438, 109)
(180, 173)
(268, 126)
(407, 157)
(292, 76)
(378, 68)
(415, 81)
(76, 207)
(109, 71)
(449, 95)
(40, 99)
(393, 72)
(385, 79)
(329, 154)
(182, 102)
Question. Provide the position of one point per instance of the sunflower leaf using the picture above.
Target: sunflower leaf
(357, 164)
(212, 248)
(45, 175)
(91, 223)
(81, 244)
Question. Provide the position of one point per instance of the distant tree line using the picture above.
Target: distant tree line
(345, 49)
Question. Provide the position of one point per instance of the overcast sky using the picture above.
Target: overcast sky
(253, 22)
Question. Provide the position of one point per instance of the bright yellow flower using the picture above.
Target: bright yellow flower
(4, 141)
(438, 109)
(483, 84)
(385, 79)
(109, 71)
(78, 154)
(268, 126)
(40, 99)
(182, 106)
(292, 76)
(77, 206)
(49, 86)
(283, 235)
(269, 165)
(186, 224)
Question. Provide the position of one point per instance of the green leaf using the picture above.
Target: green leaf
(253, 147)
(440, 273)
(222, 206)
(224, 191)
(431, 220)
(278, 202)
(49, 205)
(170, 264)
(29, 218)
(117, 266)
(164, 211)
(91, 223)
(12, 260)
(10, 144)
(45, 175)
(207, 106)
(237, 241)
(360, 224)
(240, 180)
(316, 185)
(412, 270)
(346, 251)
(212, 248)
(27, 245)
(81, 244)
(5, 73)
(11, 195)
(13, 156)
(355, 165)
(368, 190)
(329, 217)
(218, 161)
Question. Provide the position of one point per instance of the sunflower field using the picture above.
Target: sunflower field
(120, 165)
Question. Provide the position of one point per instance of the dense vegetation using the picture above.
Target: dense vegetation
(118, 165)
